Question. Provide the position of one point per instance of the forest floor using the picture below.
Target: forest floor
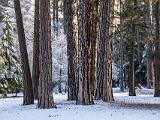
(141, 107)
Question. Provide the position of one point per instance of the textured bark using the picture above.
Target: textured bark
(85, 96)
(95, 21)
(150, 68)
(71, 32)
(100, 60)
(99, 69)
(157, 52)
(104, 53)
(35, 69)
(45, 99)
(28, 97)
(131, 75)
(105, 8)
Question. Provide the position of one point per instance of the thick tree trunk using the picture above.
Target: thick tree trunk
(100, 58)
(157, 52)
(107, 21)
(28, 97)
(104, 53)
(45, 99)
(71, 32)
(85, 95)
(150, 67)
(35, 69)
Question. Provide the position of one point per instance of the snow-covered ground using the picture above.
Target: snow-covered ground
(122, 109)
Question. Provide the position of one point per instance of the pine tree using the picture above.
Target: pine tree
(85, 95)
(71, 32)
(157, 52)
(95, 30)
(150, 69)
(35, 70)
(105, 11)
(45, 99)
(11, 60)
(28, 97)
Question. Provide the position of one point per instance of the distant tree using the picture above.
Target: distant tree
(45, 98)
(28, 97)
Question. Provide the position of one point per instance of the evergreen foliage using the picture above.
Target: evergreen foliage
(10, 81)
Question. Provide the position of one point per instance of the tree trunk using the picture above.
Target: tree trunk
(35, 69)
(45, 99)
(85, 96)
(28, 97)
(157, 52)
(100, 59)
(95, 21)
(106, 10)
(131, 75)
(139, 50)
(150, 67)
(71, 32)
(122, 84)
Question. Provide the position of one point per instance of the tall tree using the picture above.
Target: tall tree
(45, 99)
(28, 97)
(71, 32)
(131, 74)
(105, 30)
(100, 59)
(150, 68)
(35, 69)
(85, 95)
(132, 37)
(104, 52)
(157, 52)
(95, 30)
(121, 49)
